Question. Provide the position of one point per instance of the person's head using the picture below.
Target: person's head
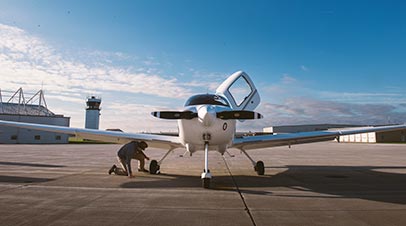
(143, 145)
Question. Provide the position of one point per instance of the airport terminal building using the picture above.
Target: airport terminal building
(18, 108)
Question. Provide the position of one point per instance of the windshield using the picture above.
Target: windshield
(207, 99)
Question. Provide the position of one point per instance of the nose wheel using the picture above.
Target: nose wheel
(206, 182)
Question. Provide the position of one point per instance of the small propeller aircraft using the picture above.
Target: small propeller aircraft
(208, 123)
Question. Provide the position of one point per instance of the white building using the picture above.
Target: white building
(374, 137)
(359, 138)
(20, 109)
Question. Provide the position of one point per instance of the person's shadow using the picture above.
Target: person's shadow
(377, 183)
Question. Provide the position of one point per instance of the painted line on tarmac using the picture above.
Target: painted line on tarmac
(239, 192)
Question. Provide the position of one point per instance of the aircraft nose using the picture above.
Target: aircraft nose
(207, 115)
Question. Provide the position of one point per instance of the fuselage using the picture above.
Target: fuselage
(207, 127)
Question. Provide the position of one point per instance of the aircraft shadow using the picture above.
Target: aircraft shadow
(377, 183)
(165, 181)
(22, 180)
(361, 182)
(30, 164)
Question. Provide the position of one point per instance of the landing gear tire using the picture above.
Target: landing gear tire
(153, 167)
(206, 182)
(260, 168)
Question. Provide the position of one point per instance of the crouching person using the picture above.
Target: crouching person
(132, 150)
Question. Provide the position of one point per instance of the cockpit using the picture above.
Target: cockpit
(211, 99)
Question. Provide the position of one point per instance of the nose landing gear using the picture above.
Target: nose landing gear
(206, 175)
(206, 178)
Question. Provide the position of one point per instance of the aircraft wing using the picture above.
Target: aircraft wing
(264, 141)
(153, 140)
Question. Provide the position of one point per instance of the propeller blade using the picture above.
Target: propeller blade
(174, 114)
(241, 115)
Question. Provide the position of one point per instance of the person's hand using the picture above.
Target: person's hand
(147, 158)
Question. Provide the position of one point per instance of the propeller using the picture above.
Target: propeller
(241, 115)
(174, 114)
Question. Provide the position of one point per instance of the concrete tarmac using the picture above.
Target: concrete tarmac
(313, 184)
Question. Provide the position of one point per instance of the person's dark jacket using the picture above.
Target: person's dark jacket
(127, 152)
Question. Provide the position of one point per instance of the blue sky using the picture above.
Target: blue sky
(312, 61)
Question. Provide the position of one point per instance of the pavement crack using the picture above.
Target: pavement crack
(241, 195)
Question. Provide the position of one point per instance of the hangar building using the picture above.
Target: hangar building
(374, 137)
(33, 110)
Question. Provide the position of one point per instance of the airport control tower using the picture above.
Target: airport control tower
(92, 112)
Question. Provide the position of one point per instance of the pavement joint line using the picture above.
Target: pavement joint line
(115, 189)
(281, 193)
(328, 210)
(74, 174)
(341, 196)
(97, 188)
(13, 188)
(241, 195)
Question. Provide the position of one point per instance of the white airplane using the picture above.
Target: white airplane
(208, 122)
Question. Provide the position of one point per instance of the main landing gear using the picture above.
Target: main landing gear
(155, 166)
(258, 166)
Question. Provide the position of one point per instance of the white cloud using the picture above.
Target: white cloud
(287, 79)
(364, 98)
(286, 86)
(210, 86)
(304, 68)
(300, 110)
(288, 102)
(25, 59)
(29, 62)
(69, 98)
(200, 78)
(137, 118)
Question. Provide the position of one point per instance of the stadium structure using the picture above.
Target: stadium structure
(14, 106)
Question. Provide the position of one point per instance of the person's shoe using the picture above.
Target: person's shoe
(143, 170)
(112, 169)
